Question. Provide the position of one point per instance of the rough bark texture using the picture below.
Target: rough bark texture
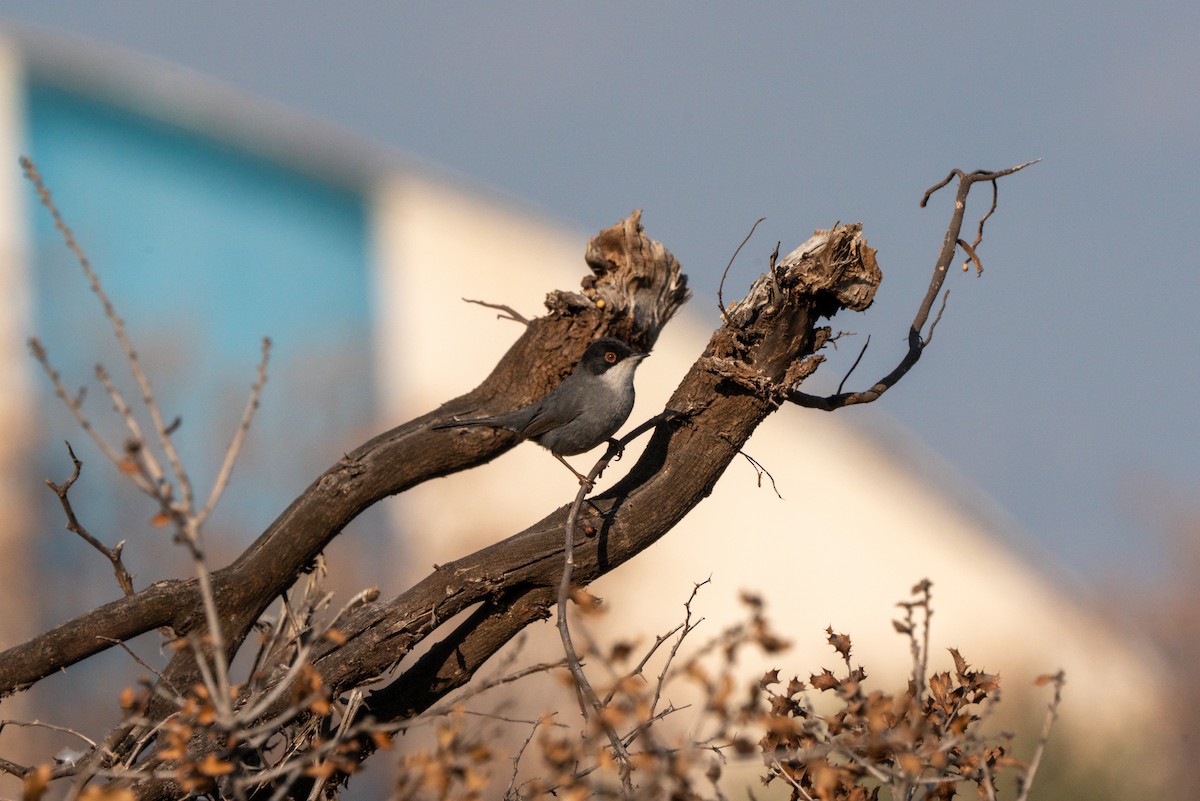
(768, 344)
(640, 286)
(740, 378)
(742, 375)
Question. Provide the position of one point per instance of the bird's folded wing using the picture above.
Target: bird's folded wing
(543, 420)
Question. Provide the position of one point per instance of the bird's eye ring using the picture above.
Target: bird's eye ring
(610, 357)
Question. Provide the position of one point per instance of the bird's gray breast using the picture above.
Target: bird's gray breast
(598, 408)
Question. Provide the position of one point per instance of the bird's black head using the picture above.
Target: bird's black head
(604, 354)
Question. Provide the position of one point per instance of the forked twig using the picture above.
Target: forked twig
(684, 630)
(113, 554)
(511, 790)
(74, 404)
(916, 341)
(146, 464)
(761, 471)
(239, 436)
(118, 326)
(509, 312)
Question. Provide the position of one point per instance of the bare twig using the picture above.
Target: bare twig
(641, 665)
(37, 724)
(989, 783)
(74, 404)
(917, 343)
(113, 554)
(687, 628)
(787, 777)
(761, 471)
(136, 448)
(979, 234)
(721, 284)
(509, 312)
(1025, 782)
(938, 318)
(13, 769)
(235, 444)
(118, 326)
(849, 372)
(510, 792)
(348, 713)
(587, 693)
(219, 684)
(477, 689)
(588, 696)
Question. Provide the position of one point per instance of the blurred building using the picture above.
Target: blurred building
(214, 219)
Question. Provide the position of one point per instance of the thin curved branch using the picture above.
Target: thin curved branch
(725, 272)
(916, 342)
(588, 696)
(854, 366)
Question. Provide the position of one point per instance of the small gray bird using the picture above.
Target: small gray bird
(584, 410)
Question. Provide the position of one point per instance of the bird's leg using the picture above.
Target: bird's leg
(615, 449)
(583, 480)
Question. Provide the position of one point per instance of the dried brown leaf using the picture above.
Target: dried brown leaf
(840, 643)
(960, 664)
(825, 680)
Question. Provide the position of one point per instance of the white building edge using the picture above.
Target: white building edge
(857, 527)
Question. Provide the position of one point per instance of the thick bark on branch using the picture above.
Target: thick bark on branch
(751, 365)
(741, 377)
(635, 287)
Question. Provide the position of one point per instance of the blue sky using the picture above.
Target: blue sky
(1063, 382)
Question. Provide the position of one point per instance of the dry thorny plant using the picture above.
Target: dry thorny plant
(921, 743)
(926, 742)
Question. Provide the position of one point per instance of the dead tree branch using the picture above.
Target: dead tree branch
(736, 383)
(917, 342)
(749, 367)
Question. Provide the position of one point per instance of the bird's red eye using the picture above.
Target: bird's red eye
(611, 357)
